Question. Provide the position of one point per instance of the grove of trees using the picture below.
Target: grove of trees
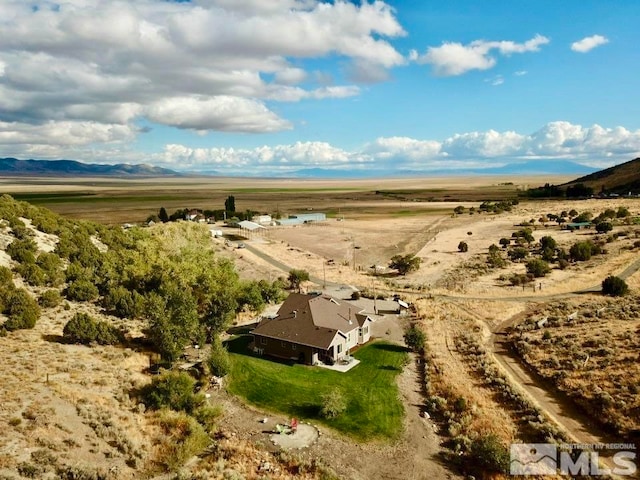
(167, 277)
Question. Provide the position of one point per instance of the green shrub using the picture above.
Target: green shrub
(22, 250)
(487, 454)
(604, 227)
(82, 291)
(517, 253)
(218, 362)
(22, 309)
(415, 338)
(32, 274)
(206, 416)
(463, 247)
(614, 286)
(82, 328)
(538, 268)
(50, 299)
(6, 276)
(173, 390)
(583, 251)
(183, 437)
(123, 303)
(51, 266)
(333, 404)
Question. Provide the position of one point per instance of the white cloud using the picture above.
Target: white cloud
(222, 113)
(496, 81)
(520, 73)
(595, 145)
(589, 43)
(258, 160)
(111, 61)
(453, 58)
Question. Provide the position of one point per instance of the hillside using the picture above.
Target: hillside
(84, 309)
(71, 168)
(622, 179)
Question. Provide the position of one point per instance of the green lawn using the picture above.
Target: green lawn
(374, 408)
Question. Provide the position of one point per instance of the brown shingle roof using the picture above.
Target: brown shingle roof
(312, 320)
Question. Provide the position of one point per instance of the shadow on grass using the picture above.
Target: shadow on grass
(389, 347)
(240, 345)
(391, 368)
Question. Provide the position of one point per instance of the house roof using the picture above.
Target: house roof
(249, 225)
(312, 320)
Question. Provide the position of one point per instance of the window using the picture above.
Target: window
(366, 330)
(340, 348)
(349, 337)
(263, 340)
(284, 344)
(294, 346)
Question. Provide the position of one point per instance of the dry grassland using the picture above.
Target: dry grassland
(590, 349)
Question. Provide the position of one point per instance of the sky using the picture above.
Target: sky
(272, 87)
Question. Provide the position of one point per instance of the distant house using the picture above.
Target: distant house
(262, 219)
(194, 216)
(311, 329)
(578, 225)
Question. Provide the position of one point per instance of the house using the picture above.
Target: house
(311, 329)
(262, 219)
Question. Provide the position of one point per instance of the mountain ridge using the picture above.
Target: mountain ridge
(622, 178)
(63, 168)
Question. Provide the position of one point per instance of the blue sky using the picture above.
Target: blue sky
(256, 87)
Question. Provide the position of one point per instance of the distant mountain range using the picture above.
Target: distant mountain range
(71, 168)
(537, 167)
(621, 179)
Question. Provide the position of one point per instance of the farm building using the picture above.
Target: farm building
(262, 219)
(302, 218)
(312, 329)
(578, 225)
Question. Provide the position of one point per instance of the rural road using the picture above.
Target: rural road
(285, 268)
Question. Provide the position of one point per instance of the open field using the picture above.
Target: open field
(120, 200)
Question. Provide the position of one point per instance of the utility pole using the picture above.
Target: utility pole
(375, 297)
(324, 274)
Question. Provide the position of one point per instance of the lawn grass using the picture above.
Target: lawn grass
(374, 409)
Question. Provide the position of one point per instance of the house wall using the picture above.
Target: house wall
(352, 338)
(339, 340)
(364, 334)
(283, 349)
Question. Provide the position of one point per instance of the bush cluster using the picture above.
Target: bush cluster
(82, 328)
(23, 311)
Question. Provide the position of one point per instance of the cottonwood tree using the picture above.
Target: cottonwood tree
(405, 263)
(297, 278)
